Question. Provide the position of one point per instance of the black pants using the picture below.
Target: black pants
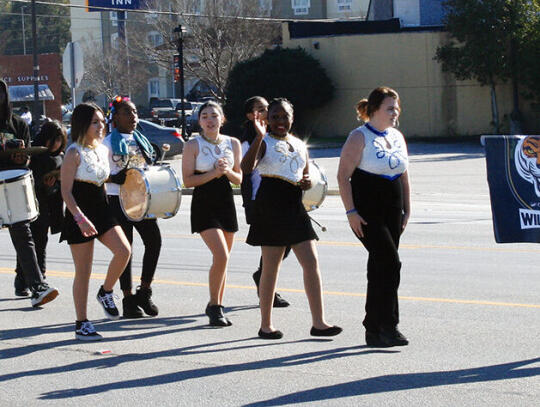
(149, 231)
(381, 239)
(40, 231)
(21, 236)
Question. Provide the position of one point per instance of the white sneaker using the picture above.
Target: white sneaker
(42, 294)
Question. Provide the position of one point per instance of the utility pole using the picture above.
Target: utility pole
(178, 31)
(23, 31)
(35, 105)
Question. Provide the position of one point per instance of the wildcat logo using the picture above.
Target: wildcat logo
(527, 159)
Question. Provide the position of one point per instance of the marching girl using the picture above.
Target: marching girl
(374, 186)
(46, 171)
(280, 219)
(210, 163)
(255, 105)
(128, 148)
(87, 217)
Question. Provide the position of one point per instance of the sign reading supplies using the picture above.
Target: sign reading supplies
(513, 172)
(118, 4)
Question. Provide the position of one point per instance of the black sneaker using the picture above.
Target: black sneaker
(130, 307)
(85, 331)
(22, 292)
(42, 294)
(106, 300)
(215, 314)
(279, 301)
(144, 300)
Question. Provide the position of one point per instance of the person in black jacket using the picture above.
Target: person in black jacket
(46, 172)
(14, 132)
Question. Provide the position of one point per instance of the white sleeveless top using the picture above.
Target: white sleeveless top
(284, 158)
(209, 153)
(380, 159)
(94, 166)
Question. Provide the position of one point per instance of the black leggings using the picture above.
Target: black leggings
(381, 239)
(149, 231)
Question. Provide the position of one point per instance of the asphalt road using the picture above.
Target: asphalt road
(470, 308)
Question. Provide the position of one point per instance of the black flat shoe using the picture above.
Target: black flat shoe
(270, 335)
(373, 340)
(280, 302)
(332, 331)
(215, 314)
(393, 337)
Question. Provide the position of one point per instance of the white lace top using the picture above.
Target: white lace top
(284, 158)
(385, 154)
(94, 166)
(209, 153)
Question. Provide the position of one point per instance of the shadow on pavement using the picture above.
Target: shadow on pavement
(398, 382)
(291, 360)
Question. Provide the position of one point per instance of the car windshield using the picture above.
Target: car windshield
(187, 106)
(163, 103)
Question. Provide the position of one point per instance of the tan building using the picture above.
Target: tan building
(434, 103)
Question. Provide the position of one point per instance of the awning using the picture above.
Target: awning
(25, 93)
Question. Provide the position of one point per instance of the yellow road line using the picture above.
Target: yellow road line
(402, 246)
(100, 276)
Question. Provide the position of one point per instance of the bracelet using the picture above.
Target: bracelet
(79, 218)
(353, 210)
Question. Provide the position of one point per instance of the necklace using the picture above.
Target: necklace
(215, 142)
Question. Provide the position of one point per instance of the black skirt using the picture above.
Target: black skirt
(93, 203)
(280, 218)
(212, 206)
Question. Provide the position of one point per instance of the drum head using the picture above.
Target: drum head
(13, 175)
(134, 195)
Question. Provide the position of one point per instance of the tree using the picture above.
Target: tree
(217, 37)
(290, 73)
(107, 73)
(484, 41)
(53, 27)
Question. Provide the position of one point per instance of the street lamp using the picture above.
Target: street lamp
(179, 37)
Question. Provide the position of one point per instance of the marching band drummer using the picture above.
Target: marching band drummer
(210, 163)
(280, 219)
(13, 130)
(128, 148)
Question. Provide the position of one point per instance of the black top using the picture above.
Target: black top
(14, 128)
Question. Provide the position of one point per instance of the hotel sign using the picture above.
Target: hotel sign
(115, 4)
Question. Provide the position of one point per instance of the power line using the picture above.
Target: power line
(180, 14)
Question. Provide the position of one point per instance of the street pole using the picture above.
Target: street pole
(23, 31)
(35, 105)
(180, 46)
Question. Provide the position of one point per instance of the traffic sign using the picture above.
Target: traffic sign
(73, 65)
(118, 4)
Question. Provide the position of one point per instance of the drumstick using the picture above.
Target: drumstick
(164, 149)
(323, 228)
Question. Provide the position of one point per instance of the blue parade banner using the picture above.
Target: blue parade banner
(513, 172)
(118, 4)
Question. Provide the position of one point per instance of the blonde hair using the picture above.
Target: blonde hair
(366, 107)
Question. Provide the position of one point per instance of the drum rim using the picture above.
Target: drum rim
(325, 179)
(147, 205)
(26, 173)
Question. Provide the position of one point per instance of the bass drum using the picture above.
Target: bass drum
(313, 197)
(18, 201)
(155, 192)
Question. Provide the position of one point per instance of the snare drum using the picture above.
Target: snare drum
(150, 193)
(18, 201)
(313, 197)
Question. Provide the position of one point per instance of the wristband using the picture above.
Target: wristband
(353, 210)
(79, 218)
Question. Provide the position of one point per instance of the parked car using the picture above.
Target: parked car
(159, 135)
(192, 122)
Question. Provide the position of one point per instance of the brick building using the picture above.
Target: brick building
(17, 71)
